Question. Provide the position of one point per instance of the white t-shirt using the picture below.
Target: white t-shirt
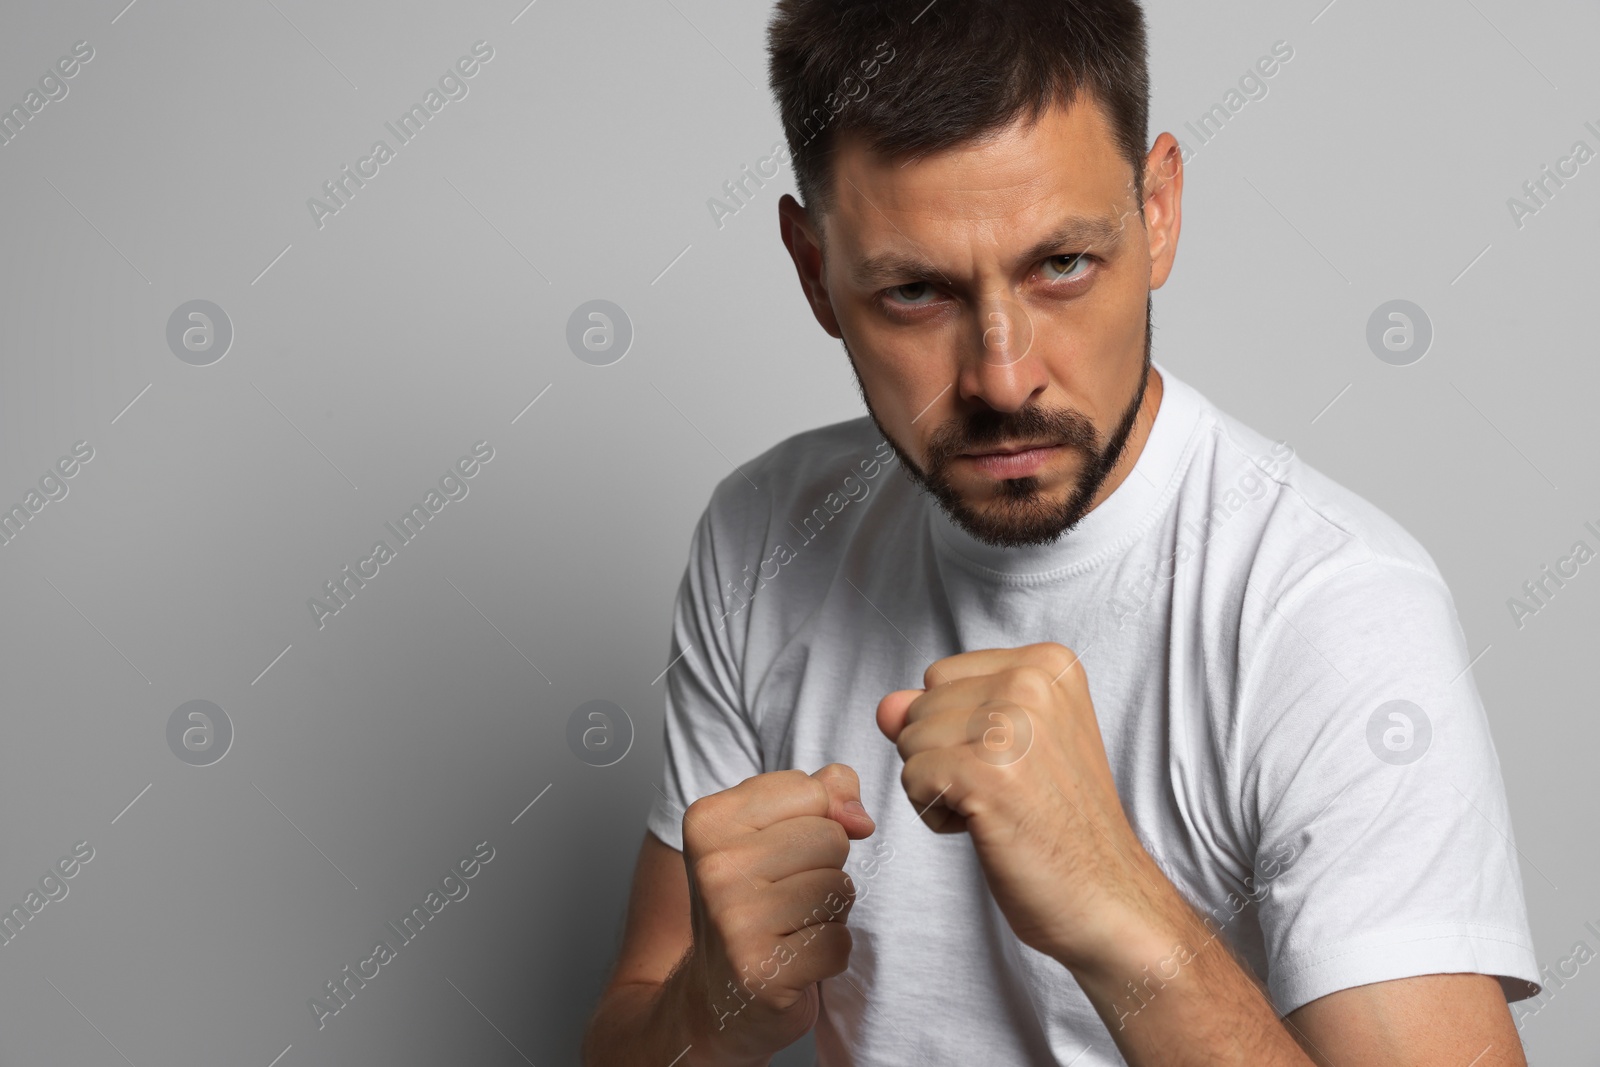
(1247, 627)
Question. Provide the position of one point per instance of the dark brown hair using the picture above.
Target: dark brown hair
(913, 76)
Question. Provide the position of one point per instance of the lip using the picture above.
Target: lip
(1014, 463)
(1009, 451)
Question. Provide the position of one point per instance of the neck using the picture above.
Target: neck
(1136, 438)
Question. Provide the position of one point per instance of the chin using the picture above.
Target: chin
(1015, 513)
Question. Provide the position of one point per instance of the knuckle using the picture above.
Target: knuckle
(794, 779)
(846, 888)
(912, 777)
(700, 812)
(821, 912)
(713, 872)
(693, 838)
(1063, 663)
(1033, 683)
(837, 950)
(817, 834)
(1055, 655)
(842, 895)
(815, 787)
(842, 772)
(835, 839)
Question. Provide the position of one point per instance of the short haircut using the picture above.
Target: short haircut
(956, 70)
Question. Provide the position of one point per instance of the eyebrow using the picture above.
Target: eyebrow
(1077, 233)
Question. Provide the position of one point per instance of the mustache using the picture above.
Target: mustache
(985, 429)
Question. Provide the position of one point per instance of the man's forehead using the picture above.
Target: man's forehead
(1059, 182)
(1078, 138)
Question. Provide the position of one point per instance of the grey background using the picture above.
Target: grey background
(369, 354)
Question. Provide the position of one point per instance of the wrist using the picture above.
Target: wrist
(1150, 941)
(1140, 921)
(701, 1033)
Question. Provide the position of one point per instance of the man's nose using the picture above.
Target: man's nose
(1001, 367)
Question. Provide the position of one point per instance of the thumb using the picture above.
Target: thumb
(844, 799)
(892, 711)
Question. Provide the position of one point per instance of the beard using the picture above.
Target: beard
(1018, 512)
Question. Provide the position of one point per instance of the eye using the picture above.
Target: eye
(1067, 268)
(1070, 261)
(915, 288)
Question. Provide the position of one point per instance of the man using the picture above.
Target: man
(1158, 746)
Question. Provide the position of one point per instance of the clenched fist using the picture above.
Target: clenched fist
(768, 900)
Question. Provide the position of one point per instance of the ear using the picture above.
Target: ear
(1163, 205)
(801, 239)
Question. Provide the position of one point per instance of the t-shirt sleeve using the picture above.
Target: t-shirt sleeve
(1383, 835)
(711, 744)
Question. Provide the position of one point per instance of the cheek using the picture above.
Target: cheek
(1100, 335)
(909, 381)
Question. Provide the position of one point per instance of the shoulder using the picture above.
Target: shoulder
(816, 468)
(771, 512)
(1302, 535)
(1304, 575)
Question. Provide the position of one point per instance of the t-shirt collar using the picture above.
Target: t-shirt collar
(1115, 523)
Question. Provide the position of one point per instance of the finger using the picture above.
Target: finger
(810, 954)
(966, 665)
(1056, 658)
(806, 916)
(938, 785)
(784, 849)
(757, 803)
(903, 707)
(998, 731)
(893, 710)
(812, 897)
(844, 799)
(906, 707)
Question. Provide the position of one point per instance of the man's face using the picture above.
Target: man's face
(994, 302)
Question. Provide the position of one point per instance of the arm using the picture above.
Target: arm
(642, 1015)
(1432, 1018)
(726, 943)
(1003, 744)
(1191, 1002)
(1174, 994)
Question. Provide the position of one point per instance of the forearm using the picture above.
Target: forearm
(1176, 996)
(650, 1022)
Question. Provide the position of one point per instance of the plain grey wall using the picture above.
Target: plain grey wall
(372, 348)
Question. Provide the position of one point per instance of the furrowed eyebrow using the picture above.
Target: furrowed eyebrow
(1078, 233)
